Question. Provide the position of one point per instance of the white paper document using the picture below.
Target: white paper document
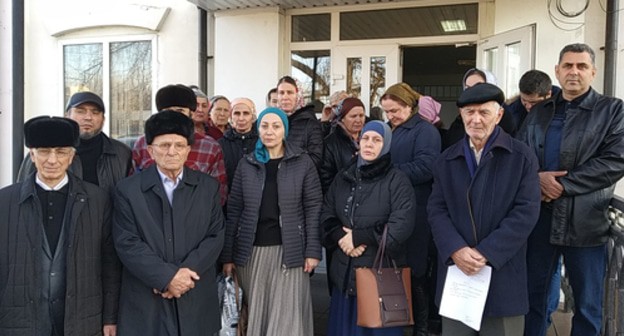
(463, 298)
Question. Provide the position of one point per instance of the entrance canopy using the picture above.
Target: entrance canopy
(216, 5)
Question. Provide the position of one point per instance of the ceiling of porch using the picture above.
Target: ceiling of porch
(216, 5)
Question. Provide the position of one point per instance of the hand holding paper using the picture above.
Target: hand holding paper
(464, 296)
(469, 260)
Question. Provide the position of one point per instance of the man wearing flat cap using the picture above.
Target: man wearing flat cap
(99, 159)
(205, 154)
(168, 229)
(59, 273)
(484, 204)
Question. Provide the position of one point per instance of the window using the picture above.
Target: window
(121, 73)
(409, 22)
(312, 69)
(307, 28)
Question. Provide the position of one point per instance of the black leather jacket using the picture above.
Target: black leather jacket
(114, 164)
(592, 152)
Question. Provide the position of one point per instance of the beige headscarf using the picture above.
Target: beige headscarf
(245, 101)
(405, 93)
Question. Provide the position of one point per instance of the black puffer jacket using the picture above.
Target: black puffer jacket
(592, 151)
(299, 199)
(365, 200)
(339, 150)
(93, 270)
(114, 164)
(304, 131)
(235, 145)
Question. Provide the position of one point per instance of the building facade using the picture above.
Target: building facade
(125, 50)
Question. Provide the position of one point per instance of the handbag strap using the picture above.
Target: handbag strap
(381, 252)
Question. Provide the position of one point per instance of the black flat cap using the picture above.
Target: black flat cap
(79, 98)
(481, 93)
(48, 131)
(169, 122)
(175, 95)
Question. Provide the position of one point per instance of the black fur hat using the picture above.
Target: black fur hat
(48, 131)
(175, 95)
(169, 122)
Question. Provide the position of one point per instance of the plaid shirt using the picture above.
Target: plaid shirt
(205, 156)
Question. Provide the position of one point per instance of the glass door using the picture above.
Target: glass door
(365, 71)
(508, 55)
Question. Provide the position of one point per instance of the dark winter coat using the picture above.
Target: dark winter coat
(494, 212)
(415, 146)
(154, 240)
(92, 267)
(304, 131)
(519, 112)
(592, 151)
(299, 198)
(365, 200)
(235, 145)
(339, 150)
(114, 165)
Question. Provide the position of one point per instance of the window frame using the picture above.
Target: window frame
(106, 42)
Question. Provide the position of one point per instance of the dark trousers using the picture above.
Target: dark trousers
(586, 269)
(490, 326)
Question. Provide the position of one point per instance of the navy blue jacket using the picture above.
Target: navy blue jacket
(503, 199)
(415, 146)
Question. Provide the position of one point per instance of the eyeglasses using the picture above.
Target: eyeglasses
(166, 146)
(61, 153)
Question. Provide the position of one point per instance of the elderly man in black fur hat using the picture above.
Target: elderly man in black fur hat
(168, 229)
(59, 274)
(205, 153)
(99, 159)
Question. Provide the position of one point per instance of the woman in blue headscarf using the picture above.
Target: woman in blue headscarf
(361, 200)
(272, 231)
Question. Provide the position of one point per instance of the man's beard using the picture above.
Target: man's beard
(90, 135)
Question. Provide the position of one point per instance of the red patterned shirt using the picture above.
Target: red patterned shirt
(205, 156)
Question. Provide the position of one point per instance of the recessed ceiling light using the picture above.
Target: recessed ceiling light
(453, 25)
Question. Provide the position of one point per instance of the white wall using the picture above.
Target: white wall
(248, 51)
(550, 39)
(176, 36)
(6, 120)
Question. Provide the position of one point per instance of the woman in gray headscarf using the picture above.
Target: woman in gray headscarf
(363, 198)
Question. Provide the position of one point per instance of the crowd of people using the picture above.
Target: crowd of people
(100, 239)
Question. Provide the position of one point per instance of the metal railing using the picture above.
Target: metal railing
(614, 290)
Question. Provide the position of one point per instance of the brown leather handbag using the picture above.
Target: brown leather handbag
(384, 295)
